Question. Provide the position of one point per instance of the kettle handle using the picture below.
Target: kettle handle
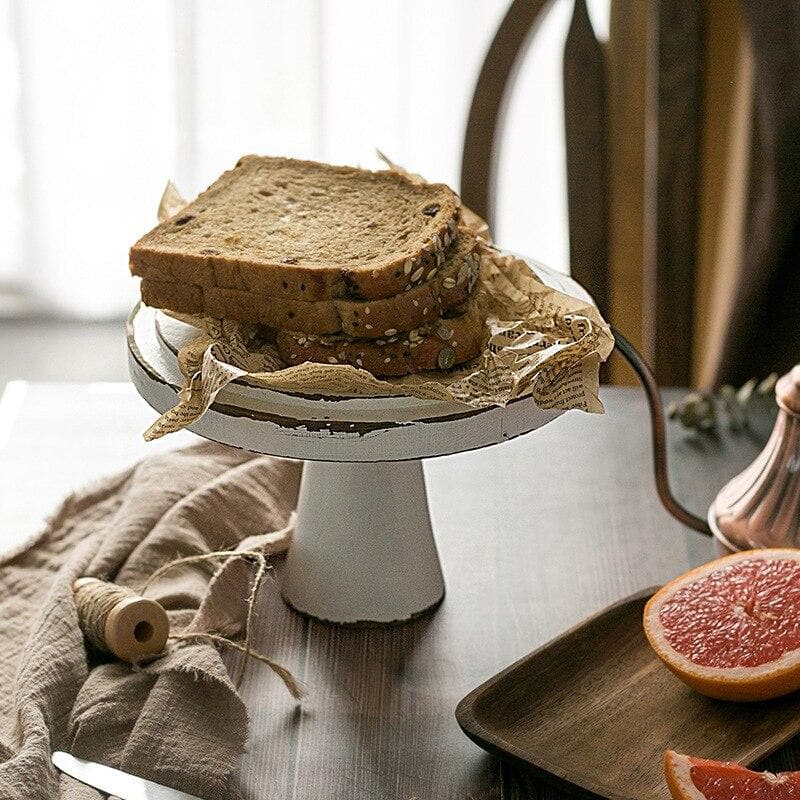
(645, 374)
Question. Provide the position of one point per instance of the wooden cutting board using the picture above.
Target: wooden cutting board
(595, 710)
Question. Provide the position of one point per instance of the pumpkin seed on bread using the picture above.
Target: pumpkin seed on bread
(443, 343)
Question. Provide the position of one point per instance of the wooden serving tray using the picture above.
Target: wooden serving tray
(595, 710)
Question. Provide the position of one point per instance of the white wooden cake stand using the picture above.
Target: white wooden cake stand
(363, 550)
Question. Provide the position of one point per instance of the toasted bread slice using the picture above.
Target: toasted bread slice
(283, 228)
(443, 288)
(442, 344)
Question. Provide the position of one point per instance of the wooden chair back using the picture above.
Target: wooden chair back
(632, 130)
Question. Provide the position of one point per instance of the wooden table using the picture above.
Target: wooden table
(534, 535)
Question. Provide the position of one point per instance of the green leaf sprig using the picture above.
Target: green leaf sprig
(698, 411)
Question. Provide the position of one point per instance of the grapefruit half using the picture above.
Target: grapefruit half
(731, 628)
(699, 779)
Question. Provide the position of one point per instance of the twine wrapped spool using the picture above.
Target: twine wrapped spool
(117, 620)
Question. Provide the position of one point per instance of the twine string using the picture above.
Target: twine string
(95, 600)
(256, 557)
(296, 689)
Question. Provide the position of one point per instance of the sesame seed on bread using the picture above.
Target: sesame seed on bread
(424, 299)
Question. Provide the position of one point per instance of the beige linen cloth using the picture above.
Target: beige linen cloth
(177, 720)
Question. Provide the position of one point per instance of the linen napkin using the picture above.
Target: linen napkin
(177, 720)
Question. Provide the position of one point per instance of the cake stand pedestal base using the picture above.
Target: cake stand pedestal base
(363, 550)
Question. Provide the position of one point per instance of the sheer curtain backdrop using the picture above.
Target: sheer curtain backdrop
(101, 103)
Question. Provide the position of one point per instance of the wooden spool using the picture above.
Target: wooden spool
(135, 627)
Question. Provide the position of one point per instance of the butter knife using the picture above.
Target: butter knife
(114, 781)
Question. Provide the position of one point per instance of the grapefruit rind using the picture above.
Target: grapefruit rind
(678, 774)
(742, 684)
(718, 779)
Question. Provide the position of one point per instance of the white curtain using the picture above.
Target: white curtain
(101, 103)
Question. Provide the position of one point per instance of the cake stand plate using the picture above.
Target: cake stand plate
(363, 550)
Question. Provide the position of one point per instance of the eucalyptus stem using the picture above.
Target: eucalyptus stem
(702, 411)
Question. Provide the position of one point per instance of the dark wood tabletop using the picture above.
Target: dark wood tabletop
(534, 535)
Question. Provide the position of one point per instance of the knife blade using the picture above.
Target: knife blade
(114, 781)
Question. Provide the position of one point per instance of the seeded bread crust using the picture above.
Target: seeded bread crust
(443, 344)
(429, 297)
(302, 230)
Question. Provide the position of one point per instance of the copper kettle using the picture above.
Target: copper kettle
(761, 506)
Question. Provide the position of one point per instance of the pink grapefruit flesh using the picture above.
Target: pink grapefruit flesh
(731, 628)
(700, 779)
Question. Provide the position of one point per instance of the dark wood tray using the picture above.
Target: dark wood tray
(595, 710)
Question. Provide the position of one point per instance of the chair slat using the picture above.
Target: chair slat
(670, 282)
(586, 149)
(629, 112)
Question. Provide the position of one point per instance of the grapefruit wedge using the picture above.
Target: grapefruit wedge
(731, 628)
(699, 779)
